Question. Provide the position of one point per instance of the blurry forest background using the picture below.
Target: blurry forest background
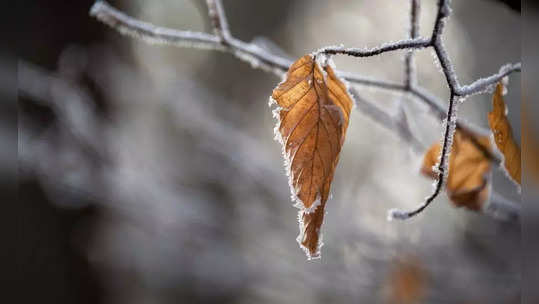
(149, 174)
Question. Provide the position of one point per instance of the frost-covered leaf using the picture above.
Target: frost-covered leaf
(467, 182)
(313, 114)
(503, 135)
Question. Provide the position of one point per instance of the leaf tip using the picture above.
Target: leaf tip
(310, 244)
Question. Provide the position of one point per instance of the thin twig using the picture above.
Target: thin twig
(443, 12)
(409, 44)
(442, 167)
(149, 32)
(410, 75)
(367, 81)
(439, 49)
(483, 85)
(218, 19)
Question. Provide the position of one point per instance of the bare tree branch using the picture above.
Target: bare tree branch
(410, 75)
(218, 19)
(442, 167)
(456, 90)
(484, 84)
(259, 57)
(253, 54)
(250, 53)
(410, 44)
(149, 32)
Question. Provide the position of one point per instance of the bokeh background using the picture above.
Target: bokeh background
(149, 174)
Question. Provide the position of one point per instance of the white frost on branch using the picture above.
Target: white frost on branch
(262, 58)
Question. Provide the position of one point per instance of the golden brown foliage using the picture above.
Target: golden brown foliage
(467, 183)
(314, 111)
(503, 135)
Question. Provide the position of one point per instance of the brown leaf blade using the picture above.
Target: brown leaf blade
(467, 184)
(313, 114)
(503, 136)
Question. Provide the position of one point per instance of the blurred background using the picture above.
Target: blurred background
(149, 174)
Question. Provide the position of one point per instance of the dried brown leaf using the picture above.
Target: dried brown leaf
(467, 183)
(407, 282)
(313, 113)
(503, 135)
(530, 144)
